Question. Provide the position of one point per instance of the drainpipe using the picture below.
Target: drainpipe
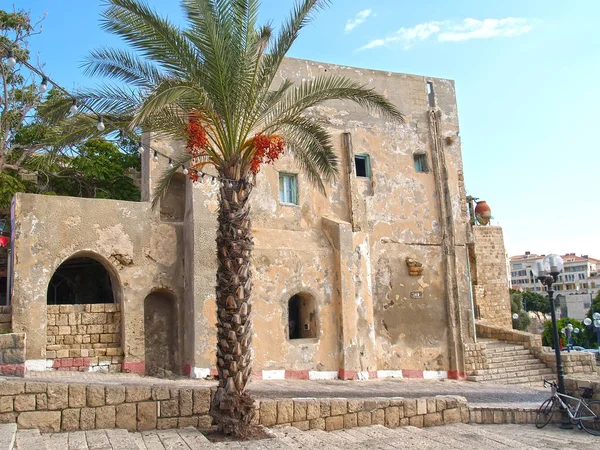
(8, 276)
(471, 295)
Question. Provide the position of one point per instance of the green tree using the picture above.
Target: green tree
(213, 84)
(578, 338)
(589, 334)
(516, 307)
(538, 304)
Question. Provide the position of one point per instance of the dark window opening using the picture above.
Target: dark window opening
(430, 94)
(362, 165)
(302, 317)
(80, 281)
(421, 164)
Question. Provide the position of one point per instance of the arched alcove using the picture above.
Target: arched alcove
(83, 279)
(160, 332)
(302, 316)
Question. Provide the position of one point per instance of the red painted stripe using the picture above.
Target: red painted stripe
(296, 374)
(456, 375)
(412, 373)
(134, 367)
(344, 374)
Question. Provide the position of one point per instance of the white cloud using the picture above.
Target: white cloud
(447, 31)
(485, 29)
(351, 24)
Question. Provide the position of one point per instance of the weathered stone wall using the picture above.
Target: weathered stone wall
(490, 283)
(5, 318)
(84, 337)
(341, 413)
(12, 354)
(53, 407)
(573, 385)
(140, 253)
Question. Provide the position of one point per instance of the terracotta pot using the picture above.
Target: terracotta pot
(483, 213)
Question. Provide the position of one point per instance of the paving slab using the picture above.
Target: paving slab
(8, 432)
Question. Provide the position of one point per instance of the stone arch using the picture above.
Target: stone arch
(161, 333)
(302, 316)
(84, 278)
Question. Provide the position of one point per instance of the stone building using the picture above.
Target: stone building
(370, 280)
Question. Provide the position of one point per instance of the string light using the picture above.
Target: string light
(11, 61)
(43, 85)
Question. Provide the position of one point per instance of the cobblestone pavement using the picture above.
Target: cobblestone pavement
(457, 436)
(475, 393)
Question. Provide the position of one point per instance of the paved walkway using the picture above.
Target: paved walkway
(457, 436)
(475, 393)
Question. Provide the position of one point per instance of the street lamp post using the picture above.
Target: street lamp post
(547, 272)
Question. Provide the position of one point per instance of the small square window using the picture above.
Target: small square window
(288, 188)
(362, 165)
(421, 164)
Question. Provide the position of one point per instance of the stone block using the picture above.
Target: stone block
(421, 406)
(185, 402)
(432, 419)
(115, 395)
(300, 410)
(404, 422)
(334, 423)
(302, 425)
(70, 419)
(146, 416)
(201, 399)
(440, 404)
(392, 417)
(136, 394)
(268, 412)
(35, 388)
(317, 424)
(339, 407)
(313, 409)
(378, 417)
(24, 402)
(410, 407)
(126, 416)
(325, 408)
(431, 405)
(58, 396)
(6, 404)
(9, 417)
(166, 423)
(11, 387)
(451, 415)
(45, 421)
(95, 396)
(204, 423)
(183, 422)
(416, 421)
(364, 418)
(350, 420)
(285, 411)
(87, 420)
(77, 396)
(105, 417)
(169, 408)
(162, 393)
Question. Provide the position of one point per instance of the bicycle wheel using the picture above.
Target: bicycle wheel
(592, 425)
(545, 413)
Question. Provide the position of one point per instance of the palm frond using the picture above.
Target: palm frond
(166, 177)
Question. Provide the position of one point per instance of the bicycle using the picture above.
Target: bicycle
(584, 414)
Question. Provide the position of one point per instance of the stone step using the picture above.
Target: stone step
(501, 347)
(510, 375)
(511, 353)
(193, 438)
(551, 436)
(516, 368)
(121, 440)
(30, 440)
(459, 437)
(515, 358)
(8, 432)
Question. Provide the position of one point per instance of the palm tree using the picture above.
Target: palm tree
(211, 84)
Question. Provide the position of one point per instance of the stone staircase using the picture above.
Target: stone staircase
(507, 363)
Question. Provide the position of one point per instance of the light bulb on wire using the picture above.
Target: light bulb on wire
(141, 149)
(155, 156)
(11, 61)
(43, 85)
(170, 163)
(185, 171)
(100, 125)
(73, 109)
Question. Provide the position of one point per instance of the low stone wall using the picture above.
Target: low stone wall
(573, 362)
(505, 414)
(341, 413)
(52, 407)
(12, 354)
(5, 318)
(573, 385)
(84, 337)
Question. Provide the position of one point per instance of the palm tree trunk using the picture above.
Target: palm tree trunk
(232, 406)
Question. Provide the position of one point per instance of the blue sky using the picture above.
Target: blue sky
(526, 75)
